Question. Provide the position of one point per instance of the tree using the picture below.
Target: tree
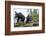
(35, 15)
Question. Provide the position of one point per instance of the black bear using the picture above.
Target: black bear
(28, 19)
(19, 16)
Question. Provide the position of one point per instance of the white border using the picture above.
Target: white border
(26, 28)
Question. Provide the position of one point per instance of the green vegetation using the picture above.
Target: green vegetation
(21, 24)
(35, 16)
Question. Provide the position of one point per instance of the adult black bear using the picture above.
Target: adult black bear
(19, 16)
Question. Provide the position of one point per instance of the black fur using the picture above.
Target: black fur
(29, 18)
(19, 16)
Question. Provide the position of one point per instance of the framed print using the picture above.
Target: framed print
(24, 17)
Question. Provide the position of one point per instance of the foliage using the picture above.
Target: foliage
(21, 24)
(35, 16)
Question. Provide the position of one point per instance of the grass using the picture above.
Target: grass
(21, 24)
